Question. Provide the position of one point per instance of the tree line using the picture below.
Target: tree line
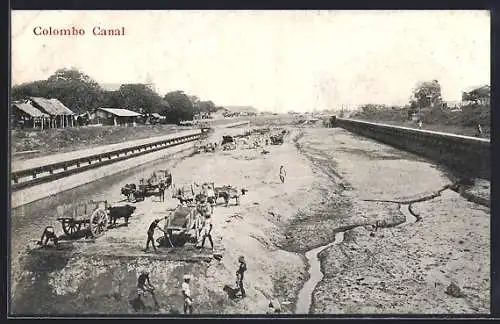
(426, 104)
(427, 96)
(81, 93)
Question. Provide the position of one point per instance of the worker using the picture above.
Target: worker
(270, 309)
(282, 174)
(420, 124)
(203, 206)
(273, 309)
(151, 232)
(211, 197)
(186, 293)
(144, 286)
(199, 221)
(206, 231)
(48, 234)
(161, 188)
(153, 178)
(240, 274)
(166, 237)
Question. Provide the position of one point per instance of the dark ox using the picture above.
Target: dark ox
(121, 212)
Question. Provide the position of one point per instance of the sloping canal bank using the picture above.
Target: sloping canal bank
(330, 175)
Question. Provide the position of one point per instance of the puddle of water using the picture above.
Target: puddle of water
(405, 210)
(305, 294)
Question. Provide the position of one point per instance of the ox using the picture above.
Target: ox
(229, 192)
(121, 212)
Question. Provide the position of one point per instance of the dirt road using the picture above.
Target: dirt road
(330, 174)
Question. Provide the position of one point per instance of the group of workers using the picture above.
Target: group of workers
(144, 286)
(204, 209)
(186, 291)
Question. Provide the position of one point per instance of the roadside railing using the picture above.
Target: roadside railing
(49, 172)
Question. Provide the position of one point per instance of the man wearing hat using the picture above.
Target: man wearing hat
(186, 292)
(240, 274)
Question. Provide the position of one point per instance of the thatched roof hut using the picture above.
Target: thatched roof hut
(51, 106)
(24, 114)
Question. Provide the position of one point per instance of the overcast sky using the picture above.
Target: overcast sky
(272, 60)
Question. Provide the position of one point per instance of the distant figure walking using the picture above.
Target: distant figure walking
(151, 232)
(420, 124)
(240, 273)
(282, 174)
(186, 293)
(479, 130)
(161, 189)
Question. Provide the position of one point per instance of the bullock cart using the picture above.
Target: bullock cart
(91, 216)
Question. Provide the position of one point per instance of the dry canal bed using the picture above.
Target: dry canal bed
(336, 182)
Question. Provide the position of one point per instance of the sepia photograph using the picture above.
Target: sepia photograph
(249, 163)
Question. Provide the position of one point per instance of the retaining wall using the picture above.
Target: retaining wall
(45, 169)
(40, 191)
(469, 156)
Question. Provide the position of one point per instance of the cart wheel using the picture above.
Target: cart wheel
(98, 222)
(70, 227)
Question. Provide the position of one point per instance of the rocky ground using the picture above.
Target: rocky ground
(333, 178)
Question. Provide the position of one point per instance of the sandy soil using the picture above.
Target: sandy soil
(330, 174)
(407, 268)
(270, 269)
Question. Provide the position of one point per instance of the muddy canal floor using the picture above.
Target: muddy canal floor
(334, 181)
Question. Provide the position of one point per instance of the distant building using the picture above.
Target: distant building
(188, 122)
(115, 116)
(116, 86)
(479, 95)
(153, 118)
(233, 111)
(110, 86)
(219, 113)
(158, 116)
(202, 115)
